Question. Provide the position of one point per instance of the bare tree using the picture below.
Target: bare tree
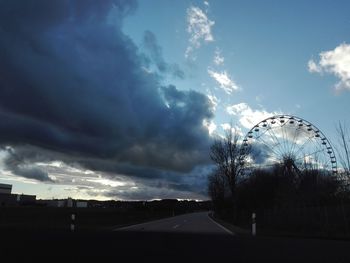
(216, 187)
(225, 153)
(343, 148)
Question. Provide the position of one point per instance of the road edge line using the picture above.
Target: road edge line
(221, 226)
(139, 224)
(144, 223)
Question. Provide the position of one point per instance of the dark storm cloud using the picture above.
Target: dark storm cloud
(174, 185)
(32, 173)
(73, 86)
(16, 164)
(190, 185)
(155, 51)
(149, 180)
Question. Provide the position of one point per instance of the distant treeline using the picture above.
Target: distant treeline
(308, 202)
(313, 205)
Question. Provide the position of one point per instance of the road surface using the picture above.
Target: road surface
(187, 238)
(199, 223)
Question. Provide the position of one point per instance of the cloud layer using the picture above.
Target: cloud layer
(74, 87)
(247, 116)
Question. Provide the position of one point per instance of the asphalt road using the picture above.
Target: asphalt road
(199, 223)
(197, 239)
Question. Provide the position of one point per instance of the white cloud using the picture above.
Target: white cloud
(313, 67)
(224, 80)
(335, 62)
(218, 58)
(247, 116)
(106, 182)
(235, 129)
(213, 101)
(210, 125)
(225, 126)
(237, 108)
(199, 28)
(206, 3)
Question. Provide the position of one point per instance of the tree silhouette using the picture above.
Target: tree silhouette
(343, 150)
(225, 153)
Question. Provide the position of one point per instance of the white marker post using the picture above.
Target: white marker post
(72, 224)
(253, 224)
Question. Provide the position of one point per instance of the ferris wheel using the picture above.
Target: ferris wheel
(289, 142)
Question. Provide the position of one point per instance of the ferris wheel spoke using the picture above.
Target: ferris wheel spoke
(309, 140)
(284, 141)
(261, 134)
(310, 154)
(296, 131)
(273, 157)
(299, 150)
(328, 162)
(322, 161)
(288, 141)
(273, 161)
(281, 139)
(270, 159)
(269, 147)
(274, 137)
(275, 149)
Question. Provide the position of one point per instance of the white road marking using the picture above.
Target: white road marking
(222, 227)
(144, 224)
(169, 222)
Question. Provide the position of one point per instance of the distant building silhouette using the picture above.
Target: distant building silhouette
(69, 202)
(9, 199)
(5, 188)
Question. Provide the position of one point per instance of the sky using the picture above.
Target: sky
(122, 99)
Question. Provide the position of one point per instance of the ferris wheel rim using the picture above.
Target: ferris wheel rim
(283, 120)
